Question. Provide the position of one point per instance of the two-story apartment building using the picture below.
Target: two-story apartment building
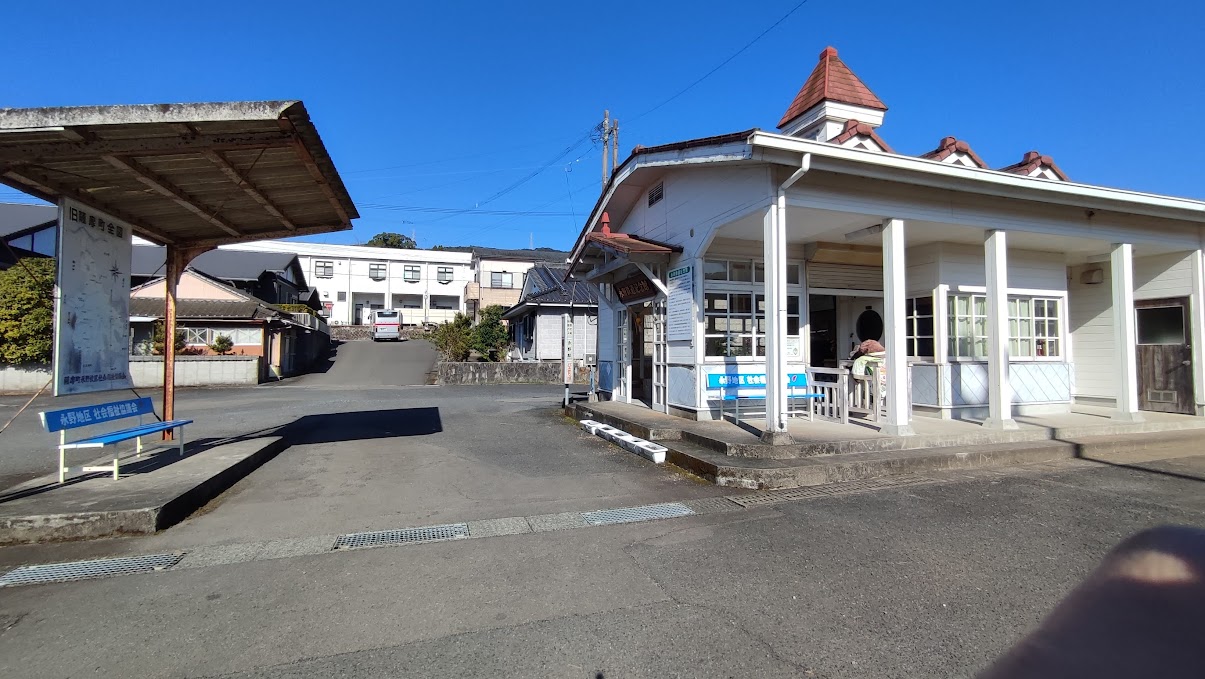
(499, 275)
(428, 286)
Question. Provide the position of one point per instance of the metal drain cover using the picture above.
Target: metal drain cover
(668, 510)
(86, 570)
(401, 536)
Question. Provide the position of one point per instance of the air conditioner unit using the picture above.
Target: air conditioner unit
(591, 359)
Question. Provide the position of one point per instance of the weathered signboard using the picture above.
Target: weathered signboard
(635, 288)
(92, 301)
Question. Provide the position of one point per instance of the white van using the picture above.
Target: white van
(386, 324)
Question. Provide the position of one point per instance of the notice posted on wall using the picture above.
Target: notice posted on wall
(680, 312)
(92, 301)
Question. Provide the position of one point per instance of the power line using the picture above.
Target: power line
(723, 63)
(461, 211)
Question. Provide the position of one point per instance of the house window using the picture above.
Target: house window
(499, 279)
(324, 268)
(376, 271)
(967, 325)
(919, 326)
(341, 296)
(743, 271)
(196, 336)
(444, 274)
(1033, 327)
(656, 194)
(412, 273)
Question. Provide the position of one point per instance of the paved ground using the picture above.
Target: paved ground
(355, 368)
(923, 580)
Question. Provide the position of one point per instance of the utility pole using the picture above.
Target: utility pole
(610, 140)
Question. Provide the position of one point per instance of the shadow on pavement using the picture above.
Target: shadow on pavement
(1138, 467)
(363, 425)
(323, 428)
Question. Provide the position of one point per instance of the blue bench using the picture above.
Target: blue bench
(752, 387)
(86, 416)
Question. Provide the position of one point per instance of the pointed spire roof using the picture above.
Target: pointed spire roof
(831, 80)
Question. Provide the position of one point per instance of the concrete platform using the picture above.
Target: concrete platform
(152, 494)
(826, 452)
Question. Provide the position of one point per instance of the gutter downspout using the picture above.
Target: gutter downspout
(776, 301)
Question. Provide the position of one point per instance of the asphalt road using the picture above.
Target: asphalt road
(931, 580)
(361, 369)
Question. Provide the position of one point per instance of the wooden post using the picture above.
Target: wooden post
(176, 260)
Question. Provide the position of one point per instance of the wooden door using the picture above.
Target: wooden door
(1164, 356)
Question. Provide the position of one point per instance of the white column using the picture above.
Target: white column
(999, 391)
(776, 325)
(898, 409)
(805, 317)
(1197, 334)
(1124, 333)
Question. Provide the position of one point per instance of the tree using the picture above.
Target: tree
(27, 312)
(157, 337)
(490, 336)
(387, 239)
(454, 340)
(222, 345)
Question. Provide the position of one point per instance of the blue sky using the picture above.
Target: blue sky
(444, 105)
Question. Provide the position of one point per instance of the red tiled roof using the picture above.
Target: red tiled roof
(1032, 161)
(854, 128)
(833, 81)
(948, 146)
(627, 244)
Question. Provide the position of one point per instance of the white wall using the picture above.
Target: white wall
(964, 265)
(518, 271)
(1091, 315)
(352, 266)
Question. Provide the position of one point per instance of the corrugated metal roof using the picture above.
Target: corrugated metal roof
(227, 265)
(190, 174)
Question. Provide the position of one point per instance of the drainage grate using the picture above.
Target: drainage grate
(668, 510)
(87, 570)
(379, 538)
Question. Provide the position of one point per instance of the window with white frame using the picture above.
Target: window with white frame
(376, 271)
(918, 319)
(444, 274)
(1033, 327)
(411, 273)
(501, 279)
(196, 336)
(735, 310)
(324, 268)
(967, 326)
(238, 336)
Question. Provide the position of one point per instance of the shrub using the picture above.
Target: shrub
(297, 308)
(27, 312)
(454, 340)
(490, 336)
(222, 345)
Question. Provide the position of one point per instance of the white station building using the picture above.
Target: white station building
(996, 292)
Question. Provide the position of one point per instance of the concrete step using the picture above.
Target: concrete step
(764, 474)
(1141, 447)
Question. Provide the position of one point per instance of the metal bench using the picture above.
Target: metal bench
(86, 416)
(752, 387)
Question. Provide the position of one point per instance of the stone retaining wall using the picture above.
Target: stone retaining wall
(351, 333)
(544, 372)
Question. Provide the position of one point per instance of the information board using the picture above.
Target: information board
(92, 301)
(680, 310)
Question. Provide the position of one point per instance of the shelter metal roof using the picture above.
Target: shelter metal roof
(226, 265)
(184, 174)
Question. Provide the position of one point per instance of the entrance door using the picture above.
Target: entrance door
(822, 314)
(660, 364)
(1164, 356)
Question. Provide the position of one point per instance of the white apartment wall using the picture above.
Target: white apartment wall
(1091, 316)
(518, 271)
(352, 266)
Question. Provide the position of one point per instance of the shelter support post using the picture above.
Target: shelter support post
(775, 257)
(999, 394)
(177, 258)
(898, 422)
(1125, 336)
